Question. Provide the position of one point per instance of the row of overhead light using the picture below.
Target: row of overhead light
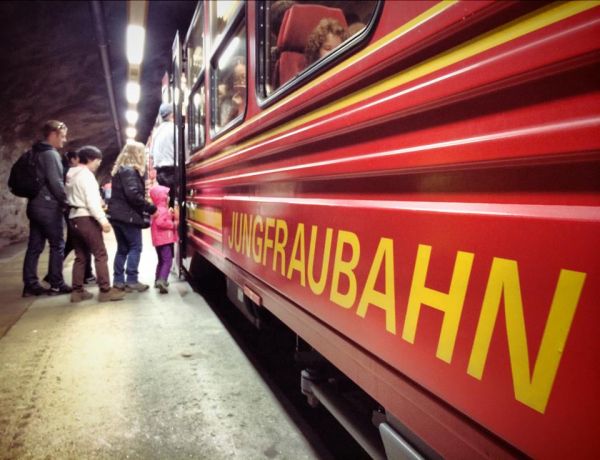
(136, 34)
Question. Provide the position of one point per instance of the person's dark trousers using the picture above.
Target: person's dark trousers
(165, 175)
(45, 223)
(129, 251)
(68, 248)
(87, 238)
(165, 260)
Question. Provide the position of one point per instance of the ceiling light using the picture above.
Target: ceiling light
(135, 44)
(131, 132)
(132, 91)
(131, 116)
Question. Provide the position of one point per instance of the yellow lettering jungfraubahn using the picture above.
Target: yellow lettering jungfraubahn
(257, 240)
(451, 304)
(298, 258)
(317, 287)
(385, 300)
(345, 268)
(263, 239)
(267, 241)
(281, 236)
(531, 390)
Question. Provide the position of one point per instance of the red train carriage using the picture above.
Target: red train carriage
(418, 202)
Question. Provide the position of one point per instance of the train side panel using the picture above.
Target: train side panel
(426, 215)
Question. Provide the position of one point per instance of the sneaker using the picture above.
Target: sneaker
(89, 279)
(162, 286)
(139, 287)
(63, 289)
(80, 296)
(111, 295)
(119, 286)
(37, 290)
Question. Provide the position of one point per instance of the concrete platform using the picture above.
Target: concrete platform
(154, 376)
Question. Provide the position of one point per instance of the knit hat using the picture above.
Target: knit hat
(165, 110)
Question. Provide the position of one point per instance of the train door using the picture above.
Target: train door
(178, 151)
(194, 108)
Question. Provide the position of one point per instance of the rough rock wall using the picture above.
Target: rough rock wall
(13, 222)
(51, 70)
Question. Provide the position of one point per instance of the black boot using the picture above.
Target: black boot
(35, 290)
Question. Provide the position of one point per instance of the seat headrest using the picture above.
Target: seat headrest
(300, 20)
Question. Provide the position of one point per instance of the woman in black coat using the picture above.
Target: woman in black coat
(126, 209)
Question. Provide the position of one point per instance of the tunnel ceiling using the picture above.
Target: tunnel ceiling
(51, 69)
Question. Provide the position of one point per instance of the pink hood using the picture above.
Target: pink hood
(163, 227)
(159, 195)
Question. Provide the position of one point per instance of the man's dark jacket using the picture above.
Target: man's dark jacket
(49, 166)
(128, 201)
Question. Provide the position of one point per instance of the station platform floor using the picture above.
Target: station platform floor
(152, 376)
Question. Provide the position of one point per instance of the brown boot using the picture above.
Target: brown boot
(111, 295)
(139, 287)
(80, 296)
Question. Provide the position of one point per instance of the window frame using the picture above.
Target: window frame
(194, 81)
(345, 50)
(195, 90)
(214, 44)
(229, 33)
(198, 13)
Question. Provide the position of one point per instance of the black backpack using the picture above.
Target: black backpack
(23, 180)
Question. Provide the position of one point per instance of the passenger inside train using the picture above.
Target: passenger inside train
(301, 34)
(232, 92)
(298, 36)
(327, 36)
(231, 81)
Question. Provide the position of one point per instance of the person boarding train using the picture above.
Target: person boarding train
(162, 150)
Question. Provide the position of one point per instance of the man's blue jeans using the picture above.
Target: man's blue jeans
(129, 250)
(45, 223)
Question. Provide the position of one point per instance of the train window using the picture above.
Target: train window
(222, 13)
(229, 81)
(298, 36)
(195, 46)
(196, 117)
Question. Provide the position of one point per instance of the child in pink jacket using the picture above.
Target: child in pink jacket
(164, 234)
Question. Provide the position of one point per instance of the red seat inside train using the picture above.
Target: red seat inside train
(298, 23)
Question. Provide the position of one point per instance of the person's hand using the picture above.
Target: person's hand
(238, 100)
(106, 228)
